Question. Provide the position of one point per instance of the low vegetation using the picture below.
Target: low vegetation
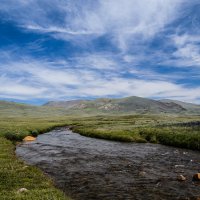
(15, 174)
(168, 130)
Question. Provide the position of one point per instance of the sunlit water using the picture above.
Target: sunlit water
(87, 168)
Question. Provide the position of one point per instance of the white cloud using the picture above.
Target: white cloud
(130, 58)
(126, 21)
(12, 88)
(42, 79)
(187, 53)
(184, 39)
(135, 20)
(100, 61)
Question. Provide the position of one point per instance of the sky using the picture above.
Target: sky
(86, 49)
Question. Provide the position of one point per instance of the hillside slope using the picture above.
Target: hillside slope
(191, 108)
(11, 109)
(129, 105)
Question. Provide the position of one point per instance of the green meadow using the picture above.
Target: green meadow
(14, 173)
(168, 130)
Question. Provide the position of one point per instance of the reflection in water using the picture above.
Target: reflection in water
(88, 168)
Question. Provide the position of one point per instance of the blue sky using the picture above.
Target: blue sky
(85, 49)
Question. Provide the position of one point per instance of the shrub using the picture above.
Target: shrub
(15, 137)
(34, 133)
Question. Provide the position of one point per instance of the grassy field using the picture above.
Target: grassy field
(14, 174)
(168, 130)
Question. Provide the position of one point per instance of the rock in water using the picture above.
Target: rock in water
(142, 173)
(196, 177)
(181, 178)
(29, 139)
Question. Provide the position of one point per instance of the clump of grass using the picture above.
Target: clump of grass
(15, 137)
(181, 139)
(117, 135)
(184, 137)
(141, 128)
(34, 133)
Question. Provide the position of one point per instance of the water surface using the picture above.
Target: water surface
(88, 169)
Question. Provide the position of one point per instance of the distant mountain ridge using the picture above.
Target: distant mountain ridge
(127, 105)
(66, 104)
(12, 109)
(101, 106)
(193, 108)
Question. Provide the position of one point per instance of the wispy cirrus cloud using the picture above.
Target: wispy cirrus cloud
(187, 53)
(125, 21)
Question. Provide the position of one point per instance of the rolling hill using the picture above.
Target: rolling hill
(128, 105)
(190, 108)
(12, 109)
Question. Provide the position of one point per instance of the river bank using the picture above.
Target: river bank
(19, 181)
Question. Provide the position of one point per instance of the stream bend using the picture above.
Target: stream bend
(87, 168)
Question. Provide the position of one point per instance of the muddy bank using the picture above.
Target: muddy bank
(88, 168)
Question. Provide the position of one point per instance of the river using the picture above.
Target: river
(93, 169)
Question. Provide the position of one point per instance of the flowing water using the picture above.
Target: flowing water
(87, 168)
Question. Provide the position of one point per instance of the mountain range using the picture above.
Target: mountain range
(101, 106)
(128, 105)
